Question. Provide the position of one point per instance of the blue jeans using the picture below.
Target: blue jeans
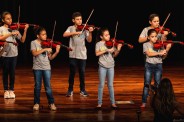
(103, 72)
(46, 75)
(150, 71)
(9, 65)
(81, 67)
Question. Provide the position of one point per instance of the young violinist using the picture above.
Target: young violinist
(10, 53)
(154, 24)
(42, 68)
(78, 55)
(153, 64)
(106, 63)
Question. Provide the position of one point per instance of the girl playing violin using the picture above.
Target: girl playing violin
(153, 64)
(10, 53)
(106, 65)
(154, 24)
(42, 68)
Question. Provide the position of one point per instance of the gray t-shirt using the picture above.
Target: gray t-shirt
(144, 33)
(40, 62)
(105, 60)
(152, 59)
(11, 50)
(77, 44)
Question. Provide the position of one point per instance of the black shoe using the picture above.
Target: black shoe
(114, 108)
(69, 94)
(98, 108)
(84, 93)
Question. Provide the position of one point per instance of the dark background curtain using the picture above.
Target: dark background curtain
(132, 17)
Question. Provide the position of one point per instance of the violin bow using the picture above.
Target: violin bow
(115, 32)
(87, 20)
(165, 21)
(18, 19)
(116, 29)
(164, 24)
(53, 33)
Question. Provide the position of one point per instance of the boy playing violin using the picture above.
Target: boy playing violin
(154, 24)
(78, 55)
(153, 64)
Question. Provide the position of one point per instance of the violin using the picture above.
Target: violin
(81, 27)
(52, 44)
(159, 44)
(162, 29)
(2, 43)
(110, 43)
(15, 26)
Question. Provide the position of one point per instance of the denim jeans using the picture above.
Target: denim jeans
(81, 67)
(103, 73)
(150, 71)
(9, 65)
(46, 75)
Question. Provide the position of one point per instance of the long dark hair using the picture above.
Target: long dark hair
(100, 32)
(164, 98)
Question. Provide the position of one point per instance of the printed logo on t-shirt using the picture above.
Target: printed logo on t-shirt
(103, 48)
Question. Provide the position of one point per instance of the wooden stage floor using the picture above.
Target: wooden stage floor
(128, 85)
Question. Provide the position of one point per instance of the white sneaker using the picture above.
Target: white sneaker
(52, 107)
(143, 105)
(36, 107)
(12, 94)
(6, 94)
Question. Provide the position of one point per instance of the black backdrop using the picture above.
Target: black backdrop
(132, 16)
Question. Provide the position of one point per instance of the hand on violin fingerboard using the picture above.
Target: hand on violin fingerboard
(91, 29)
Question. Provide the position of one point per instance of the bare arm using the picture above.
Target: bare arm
(35, 52)
(98, 53)
(68, 34)
(89, 38)
(24, 34)
(52, 56)
(4, 37)
(150, 54)
(142, 39)
(116, 52)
